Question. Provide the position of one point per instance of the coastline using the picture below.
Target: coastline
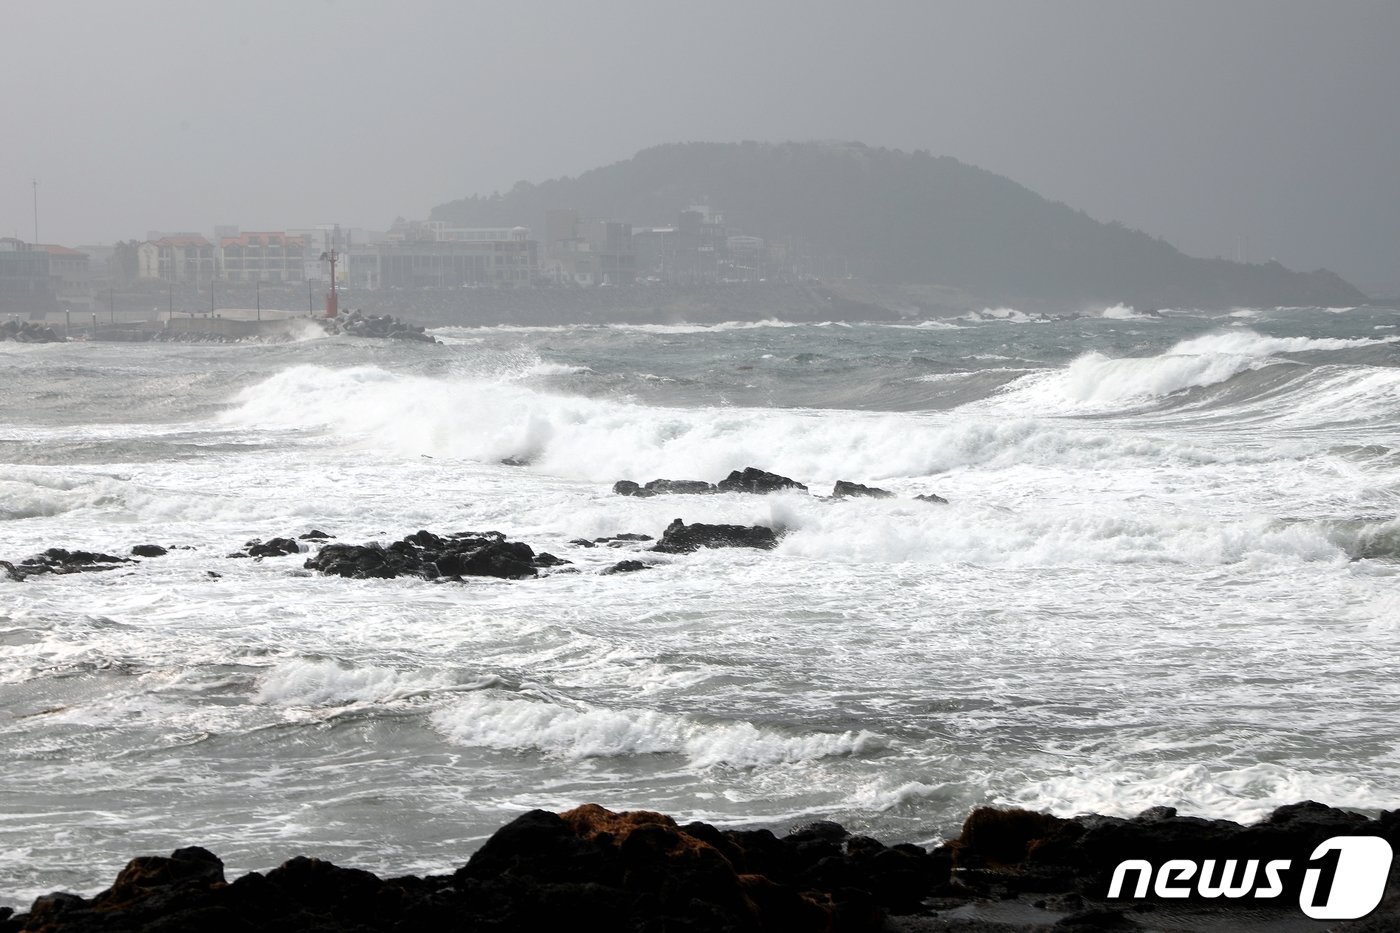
(1259, 694)
(1009, 870)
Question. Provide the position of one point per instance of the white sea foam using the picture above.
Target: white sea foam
(603, 439)
(717, 328)
(1095, 381)
(1007, 315)
(1246, 794)
(1044, 537)
(515, 723)
(37, 493)
(322, 682)
(1122, 312)
(926, 325)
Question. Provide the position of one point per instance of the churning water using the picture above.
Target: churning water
(1168, 575)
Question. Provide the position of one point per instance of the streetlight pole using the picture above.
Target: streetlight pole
(332, 300)
(258, 286)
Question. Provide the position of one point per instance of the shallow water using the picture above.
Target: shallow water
(1167, 575)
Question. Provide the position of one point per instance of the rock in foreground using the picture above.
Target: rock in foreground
(586, 869)
(590, 868)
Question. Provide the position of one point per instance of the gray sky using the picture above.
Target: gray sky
(1268, 122)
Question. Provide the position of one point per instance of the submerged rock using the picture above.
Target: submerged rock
(277, 547)
(932, 497)
(619, 540)
(626, 566)
(759, 482)
(622, 540)
(843, 489)
(679, 537)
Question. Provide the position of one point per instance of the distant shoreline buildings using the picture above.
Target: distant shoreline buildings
(696, 249)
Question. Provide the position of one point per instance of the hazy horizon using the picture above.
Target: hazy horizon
(1259, 130)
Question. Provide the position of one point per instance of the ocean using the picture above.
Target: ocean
(1166, 575)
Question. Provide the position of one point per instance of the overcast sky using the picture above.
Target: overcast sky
(1270, 125)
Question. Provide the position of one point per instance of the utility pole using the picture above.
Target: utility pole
(332, 300)
(112, 305)
(36, 211)
(258, 287)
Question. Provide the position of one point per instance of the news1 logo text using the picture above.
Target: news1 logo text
(1343, 879)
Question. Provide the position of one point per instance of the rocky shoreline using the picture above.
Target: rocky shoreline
(589, 868)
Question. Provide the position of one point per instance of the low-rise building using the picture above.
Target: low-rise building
(511, 262)
(70, 275)
(272, 256)
(25, 284)
(179, 257)
(598, 252)
(689, 252)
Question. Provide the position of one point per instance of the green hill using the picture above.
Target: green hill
(897, 218)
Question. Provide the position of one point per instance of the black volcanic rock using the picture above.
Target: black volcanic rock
(759, 482)
(685, 487)
(431, 556)
(843, 489)
(625, 566)
(358, 324)
(57, 560)
(621, 540)
(148, 550)
(679, 537)
(1049, 853)
(276, 547)
(932, 497)
(638, 872)
(625, 487)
